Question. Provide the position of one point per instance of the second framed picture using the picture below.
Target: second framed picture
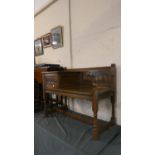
(57, 37)
(46, 40)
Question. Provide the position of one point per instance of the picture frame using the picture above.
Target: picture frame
(38, 47)
(46, 40)
(57, 37)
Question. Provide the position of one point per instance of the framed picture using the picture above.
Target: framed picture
(56, 37)
(46, 39)
(38, 47)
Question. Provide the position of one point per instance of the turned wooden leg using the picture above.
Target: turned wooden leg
(113, 119)
(66, 103)
(61, 101)
(95, 125)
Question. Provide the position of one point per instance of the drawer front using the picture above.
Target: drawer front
(49, 86)
(51, 81)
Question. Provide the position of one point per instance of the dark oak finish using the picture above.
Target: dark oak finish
(84, 83)
(38, 69)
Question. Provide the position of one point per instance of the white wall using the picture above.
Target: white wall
(96, 42)
(38, 4)
(56, 14)
(95, 34)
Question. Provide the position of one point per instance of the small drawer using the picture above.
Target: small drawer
(51, 77)
(51, 85)
(50, 81)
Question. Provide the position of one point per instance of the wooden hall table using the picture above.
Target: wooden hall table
(83, 83)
